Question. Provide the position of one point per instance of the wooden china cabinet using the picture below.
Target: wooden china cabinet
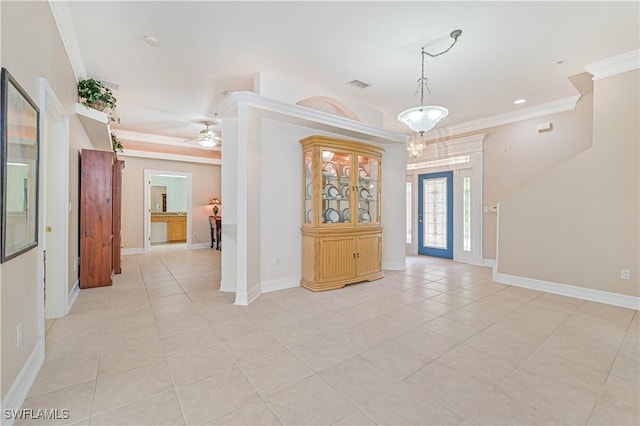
(100, 217)
(342, 230)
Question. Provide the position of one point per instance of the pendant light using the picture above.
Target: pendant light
(423, 118)
(415, 145)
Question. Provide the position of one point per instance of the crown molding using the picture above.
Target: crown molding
(62, 17)
(614, 65)
(549, 108)
(171, 157)
(128, 135)
(300, 115)
(459, 146)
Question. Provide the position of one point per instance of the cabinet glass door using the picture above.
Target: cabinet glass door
(368, 179)
(308, 186)
(336, 187)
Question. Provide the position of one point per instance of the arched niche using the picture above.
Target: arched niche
(328, 105)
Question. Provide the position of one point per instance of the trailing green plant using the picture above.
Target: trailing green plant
(116, 144)
(93, 94)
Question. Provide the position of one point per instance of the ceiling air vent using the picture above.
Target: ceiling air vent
(110, 84)
(359, 84)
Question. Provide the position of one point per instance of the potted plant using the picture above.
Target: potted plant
(116, 144)
(93, 94)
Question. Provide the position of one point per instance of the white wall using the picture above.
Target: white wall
(205, 184)
(262, 174)
(40, 53)
(176, 191)
(281, 202)
(578, 224)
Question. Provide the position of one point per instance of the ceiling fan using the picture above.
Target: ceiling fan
(207, 137)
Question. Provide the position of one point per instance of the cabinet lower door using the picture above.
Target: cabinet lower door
(369, 255)
(337, 261)
(177, 231)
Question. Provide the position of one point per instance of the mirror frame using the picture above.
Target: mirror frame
(20, 129)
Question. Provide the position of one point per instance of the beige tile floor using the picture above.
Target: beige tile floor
(438, 344)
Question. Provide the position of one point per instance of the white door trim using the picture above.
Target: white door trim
(147, 206)
(54, 166)
(473, 147)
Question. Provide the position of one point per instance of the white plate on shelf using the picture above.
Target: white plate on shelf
(344, 171)
(364, 193)
(308, 215)
(330, 191)
(330, 169)
(331, 215)
(345, 215)
(364, 216)
(309, 190)
(362, 173)
(344, 190)
(309, 167)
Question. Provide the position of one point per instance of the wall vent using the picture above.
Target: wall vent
(359, 84)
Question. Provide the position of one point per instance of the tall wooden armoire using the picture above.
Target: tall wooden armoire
(100, 205)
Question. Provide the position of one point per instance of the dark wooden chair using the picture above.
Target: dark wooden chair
(215, 224)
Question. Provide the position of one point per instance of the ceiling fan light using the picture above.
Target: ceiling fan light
(423, 118)
(208, 142)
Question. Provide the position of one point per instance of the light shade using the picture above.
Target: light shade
(423, 118)
(415, 145)
(327, 155)
(208, 143)
(208, 138)
(215, 203)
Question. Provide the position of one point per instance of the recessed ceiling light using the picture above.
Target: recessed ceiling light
(519, 101)
(560, 62)
(151, 41)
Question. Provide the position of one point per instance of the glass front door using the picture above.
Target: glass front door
(435, 214)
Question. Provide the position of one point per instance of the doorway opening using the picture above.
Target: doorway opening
(167, 209)
(444, 201)
(58, 291)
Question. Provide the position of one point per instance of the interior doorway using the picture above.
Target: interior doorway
(54, 223)
(167, 209)
(456, 165)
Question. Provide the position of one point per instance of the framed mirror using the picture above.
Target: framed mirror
(19, 124)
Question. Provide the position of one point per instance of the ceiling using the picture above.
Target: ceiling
(508, 50)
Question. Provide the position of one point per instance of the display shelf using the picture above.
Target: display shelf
(96, 125)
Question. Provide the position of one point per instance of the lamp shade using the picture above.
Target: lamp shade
(207, 143)
(415, 146)
(327, 155)
(423, 118)
(214, 201)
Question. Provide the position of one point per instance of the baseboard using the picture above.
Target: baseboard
(281, 284)
(200, 245)
(470, 260)
(244, 299)
(132, 250)
(394, 266)
(489, 262)
(593, 295)
(20, 388)
(73, 295)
